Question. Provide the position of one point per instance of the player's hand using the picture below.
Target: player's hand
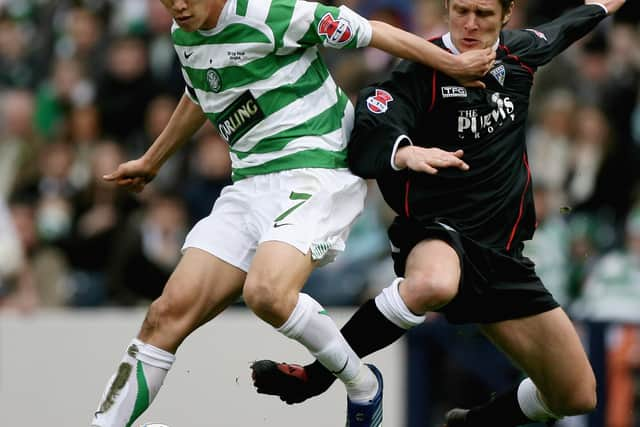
(132, 175)
(611, 5)
(470, 66)
(429, 160)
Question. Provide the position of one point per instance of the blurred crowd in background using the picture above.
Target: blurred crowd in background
(86, 85)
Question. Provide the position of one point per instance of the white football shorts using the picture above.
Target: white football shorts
(310, 209)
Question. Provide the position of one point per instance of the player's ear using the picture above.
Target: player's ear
(507, 13)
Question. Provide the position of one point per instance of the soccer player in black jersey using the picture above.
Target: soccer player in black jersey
(458, 236)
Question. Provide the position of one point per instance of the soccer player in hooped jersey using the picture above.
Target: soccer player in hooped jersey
(252, 68)
(458, 236)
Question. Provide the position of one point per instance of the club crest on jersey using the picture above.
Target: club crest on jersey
(499, 73)
(213, 78)
(539, 34)
(338, 32)
(379, 102)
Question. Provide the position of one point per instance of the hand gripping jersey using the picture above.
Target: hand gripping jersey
(491, 203)
(259, 78)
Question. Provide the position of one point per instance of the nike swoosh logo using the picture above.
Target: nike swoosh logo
(346, 362)
(276, 225)
(187, 55)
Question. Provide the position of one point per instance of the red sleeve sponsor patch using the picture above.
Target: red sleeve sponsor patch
(379, 102)
(337, 31)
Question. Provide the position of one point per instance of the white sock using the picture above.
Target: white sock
(310, 325)
(133, 387)
(391, 305)
(532, 404)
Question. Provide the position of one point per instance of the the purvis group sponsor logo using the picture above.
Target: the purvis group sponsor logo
(453, 92)
(379, 102)
(237, 119)
(475, 124)
(338, 32)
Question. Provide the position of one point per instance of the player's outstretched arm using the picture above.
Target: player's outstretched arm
(135, 174)
(467, 68)
(611, 5)
(546, 41)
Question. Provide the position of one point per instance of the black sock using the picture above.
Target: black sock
(502, 410)
(365, 324)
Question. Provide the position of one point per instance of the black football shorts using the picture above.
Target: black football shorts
(495, 285)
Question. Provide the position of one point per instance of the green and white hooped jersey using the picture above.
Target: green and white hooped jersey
(259, 78)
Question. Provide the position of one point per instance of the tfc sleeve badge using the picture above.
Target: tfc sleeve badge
(338, 32)
(379, 102)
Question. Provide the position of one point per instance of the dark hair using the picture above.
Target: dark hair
(506, 3)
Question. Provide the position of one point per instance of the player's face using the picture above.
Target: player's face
(192, 15)
(476, 24)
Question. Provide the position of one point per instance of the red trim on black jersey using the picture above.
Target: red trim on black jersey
(517, 59)
(524, 192)
(433, 91)
(406, 197)
(433, 85)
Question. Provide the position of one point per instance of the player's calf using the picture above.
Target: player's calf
(522, 405)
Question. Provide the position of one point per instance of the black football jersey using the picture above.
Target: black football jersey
(492, 202)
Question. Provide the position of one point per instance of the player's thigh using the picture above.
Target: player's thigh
(201, 286)
(303, 219)
(432, 275)
(277, 273)
(547, 347)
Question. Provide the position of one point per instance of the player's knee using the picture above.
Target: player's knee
(428, 291)
(583, 400)
(577, 400)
